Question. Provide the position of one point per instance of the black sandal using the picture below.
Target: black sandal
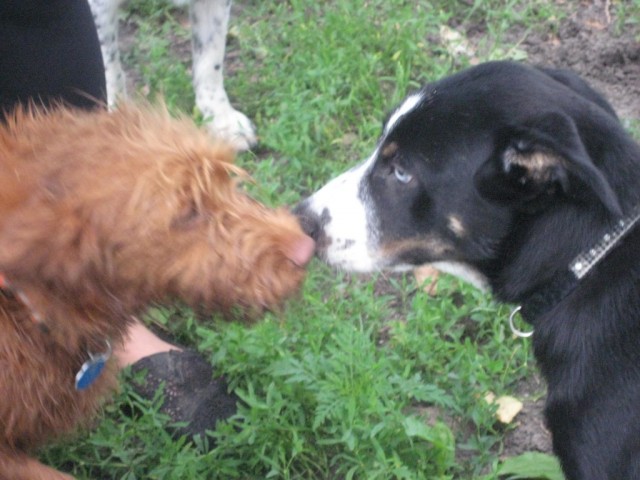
(191, 394)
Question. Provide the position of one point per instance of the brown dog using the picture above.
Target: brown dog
(102, 215)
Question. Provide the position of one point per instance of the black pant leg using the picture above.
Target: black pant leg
(49, 51)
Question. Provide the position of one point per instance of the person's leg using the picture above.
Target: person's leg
(139, 343)
(49, 52)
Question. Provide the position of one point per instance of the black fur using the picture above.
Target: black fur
(49, 52)
(536, 166)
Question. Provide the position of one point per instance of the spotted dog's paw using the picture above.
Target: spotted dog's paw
(233, 126)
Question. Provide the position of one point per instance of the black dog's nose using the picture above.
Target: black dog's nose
(309, 220)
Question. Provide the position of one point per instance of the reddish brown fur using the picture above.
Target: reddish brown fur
(101, 215)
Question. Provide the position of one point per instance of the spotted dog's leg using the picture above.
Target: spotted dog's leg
(105, 15)
(209, 21)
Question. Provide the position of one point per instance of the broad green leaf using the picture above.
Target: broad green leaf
(531, 466)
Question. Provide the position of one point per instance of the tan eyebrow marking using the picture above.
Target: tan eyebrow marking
(389, 149)
(539, 165)
(433, 244)
(456, 226)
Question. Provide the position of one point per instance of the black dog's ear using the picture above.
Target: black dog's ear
(536, 160)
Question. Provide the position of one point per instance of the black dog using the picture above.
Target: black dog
(524, 180)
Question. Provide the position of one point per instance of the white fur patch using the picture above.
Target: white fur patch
(411, 102)
(456, 226)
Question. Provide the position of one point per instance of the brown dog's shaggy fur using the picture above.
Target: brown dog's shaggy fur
(101, 215)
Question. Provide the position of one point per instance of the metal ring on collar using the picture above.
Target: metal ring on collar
(514, 330)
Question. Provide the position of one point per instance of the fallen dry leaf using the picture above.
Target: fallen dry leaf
(427, 277)
(508, 407)
(455, 42)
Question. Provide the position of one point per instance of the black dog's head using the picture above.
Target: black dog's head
(464, 168)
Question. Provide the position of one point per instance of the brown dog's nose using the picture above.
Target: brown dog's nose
(302, 251)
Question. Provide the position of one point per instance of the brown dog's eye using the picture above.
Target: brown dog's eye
(189, 217)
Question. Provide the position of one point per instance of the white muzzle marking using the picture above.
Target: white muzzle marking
(350, 226)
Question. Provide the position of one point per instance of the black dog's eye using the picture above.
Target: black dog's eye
(401, 174)
(523, 146)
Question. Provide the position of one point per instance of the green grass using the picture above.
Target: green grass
(628, 14)
(340, 386)
(363, 378)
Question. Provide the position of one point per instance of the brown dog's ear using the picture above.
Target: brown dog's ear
(53, 245)
(540, 159)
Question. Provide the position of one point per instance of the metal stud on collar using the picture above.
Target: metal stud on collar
(585, 261)
(517, 332)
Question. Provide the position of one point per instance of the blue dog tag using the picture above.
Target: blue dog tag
(92, 368)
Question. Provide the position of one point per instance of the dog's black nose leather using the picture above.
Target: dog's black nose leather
(309, 220)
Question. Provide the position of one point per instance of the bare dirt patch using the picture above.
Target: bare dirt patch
(587, 42)
(530, 433)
